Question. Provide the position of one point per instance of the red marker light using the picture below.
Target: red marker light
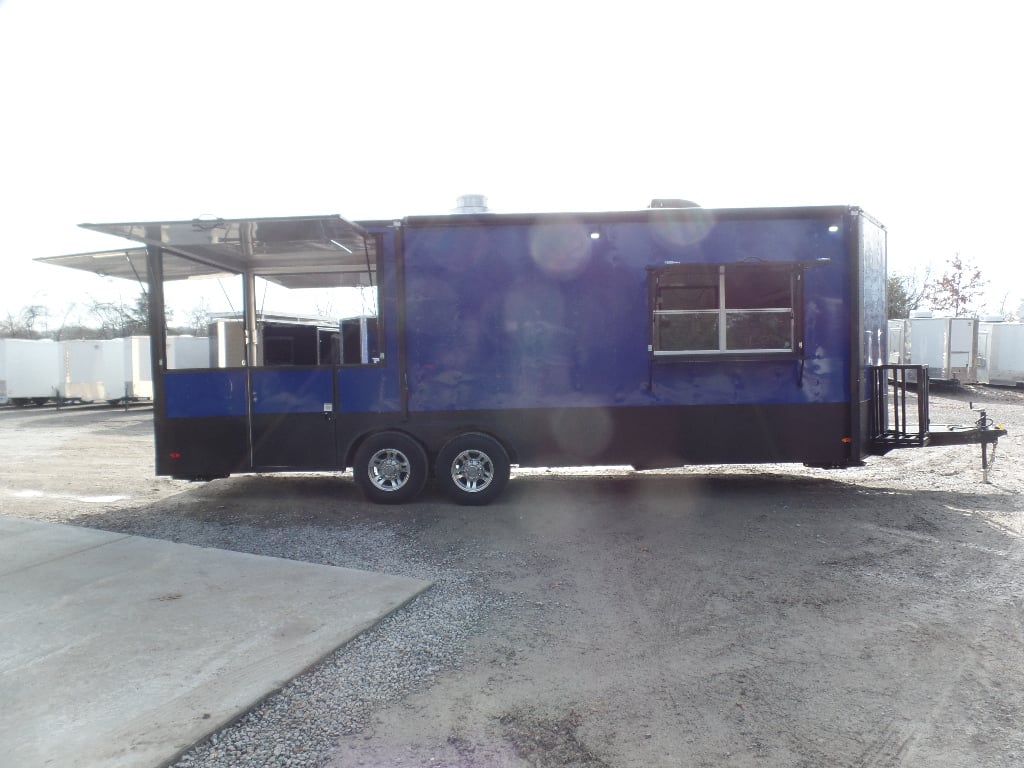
(174, 455)
(846, 440)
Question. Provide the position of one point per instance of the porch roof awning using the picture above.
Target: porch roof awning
(296, 252)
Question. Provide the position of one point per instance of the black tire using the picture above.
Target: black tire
(472, 468)
(390, 468)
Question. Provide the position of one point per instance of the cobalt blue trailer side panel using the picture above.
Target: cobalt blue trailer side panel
(190, 394)
(502, 318)
(291, 390)
(517, 324)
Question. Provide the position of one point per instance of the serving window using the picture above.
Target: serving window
(738, 309)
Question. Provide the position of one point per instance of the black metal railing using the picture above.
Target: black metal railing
(891, 407)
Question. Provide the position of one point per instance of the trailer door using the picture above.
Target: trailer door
(292, 418)
(963, 349)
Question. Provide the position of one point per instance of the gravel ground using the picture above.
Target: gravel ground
(300, 725)
(722, 621)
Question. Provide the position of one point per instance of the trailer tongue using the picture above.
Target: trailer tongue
(894, 427)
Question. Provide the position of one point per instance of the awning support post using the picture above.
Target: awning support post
(252, 357)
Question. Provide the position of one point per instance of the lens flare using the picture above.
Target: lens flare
(675, 230)
(561, 249)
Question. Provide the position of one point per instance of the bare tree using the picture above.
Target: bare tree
(959, 288)
(67, 330)
(1005, 312)
(23, 325)
(199, 318)
(120, 319)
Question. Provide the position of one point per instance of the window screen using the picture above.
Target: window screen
(732, 308)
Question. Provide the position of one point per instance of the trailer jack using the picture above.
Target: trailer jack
(984, 432)
(987, 459)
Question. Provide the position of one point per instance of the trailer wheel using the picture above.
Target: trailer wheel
(472, 468)
(390, 468)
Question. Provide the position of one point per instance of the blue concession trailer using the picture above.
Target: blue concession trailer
(656, 338)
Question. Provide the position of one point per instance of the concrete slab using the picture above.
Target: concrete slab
(124, 651)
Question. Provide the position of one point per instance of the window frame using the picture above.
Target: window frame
(722, 311)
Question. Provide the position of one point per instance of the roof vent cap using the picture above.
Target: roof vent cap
(672, 202)
(471, 204)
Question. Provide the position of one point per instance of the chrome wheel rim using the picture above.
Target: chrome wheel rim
(389, 469)
(472, 471)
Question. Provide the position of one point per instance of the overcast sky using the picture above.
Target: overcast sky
(172, 109)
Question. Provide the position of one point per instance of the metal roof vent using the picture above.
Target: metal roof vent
(471, 204)
(665, 202)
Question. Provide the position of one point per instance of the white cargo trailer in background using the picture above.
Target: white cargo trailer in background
(896, 343)
(82, 364)
(30, 371)
(126, 369)
(227, 342)
(188, 352)
(947, 345)
(962, 350)
(1001, 353)
(86, 370)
